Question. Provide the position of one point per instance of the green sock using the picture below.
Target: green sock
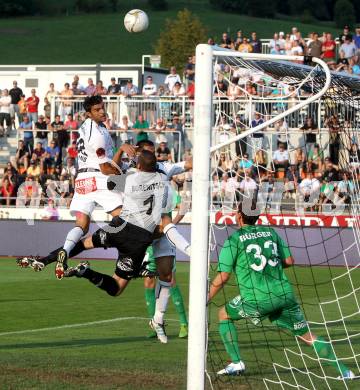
(325, 350)
(177, 299)
(229, 337)
(150, 301)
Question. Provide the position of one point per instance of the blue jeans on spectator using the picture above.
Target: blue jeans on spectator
(33, 116)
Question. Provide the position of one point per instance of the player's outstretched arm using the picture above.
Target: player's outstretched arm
(113, 167)
(217, 284)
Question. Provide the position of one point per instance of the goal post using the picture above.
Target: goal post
(202, 151)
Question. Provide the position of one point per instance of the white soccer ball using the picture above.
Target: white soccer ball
(136, 21)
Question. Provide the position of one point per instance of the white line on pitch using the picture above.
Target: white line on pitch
(118, 319)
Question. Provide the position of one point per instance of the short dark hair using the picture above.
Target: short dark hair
(147, 161)
(243, 206)
(145, 142)
(91, 101)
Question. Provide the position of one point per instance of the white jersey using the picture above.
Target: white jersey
(149, 89)
(145, 196)
(171, 169)
(94, 147)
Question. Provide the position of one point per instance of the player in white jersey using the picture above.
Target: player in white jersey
(132, 232)
(96, 162)
(164, 248)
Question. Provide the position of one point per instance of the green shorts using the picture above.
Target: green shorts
(152, 262)
(288, 316)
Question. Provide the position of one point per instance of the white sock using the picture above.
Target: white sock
(176, 238)
(73, 238)
(162, 294)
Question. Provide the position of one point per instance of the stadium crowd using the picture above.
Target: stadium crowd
(47, 154)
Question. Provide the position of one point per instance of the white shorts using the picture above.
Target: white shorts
(85, 203)
(163, 247)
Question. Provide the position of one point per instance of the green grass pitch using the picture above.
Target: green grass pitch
(78, 351)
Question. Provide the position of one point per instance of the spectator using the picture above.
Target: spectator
(22, 108)
(345, 188)
(215, 190)
(288, 44)
(238, 39)
(41, 135)
(357, 39)
(28, 136)
(309, 188)
(354, 156)
(229, 188)
(51, 93)
(258, 137)
(330, 173)
(328, 49)
(91, 88)
(178, 90)
(345, 34)
(38, 154)
(281, 128)
(300, 160)
(15, 93)
(5, 106)
(310, 130)
(69, 171)
(100, 89)
(245, 46)
(47, 108)
(189, 71)
(281, 158)
(347, 49)
(51, 157)
(72, 151)
(291, 181)
(277, 50)
(245, 163)
(149, 90)
(293, 35)
(225, 164)
(274, 41)
(32, 104)
(296, 49)
(66, 104)
(34, 169)
(75, 89)
(260, 160)
(179, 135)
(21, 156)
(160, 128)
(60, 135)
(71, 125)
(140, 125)
(129, 91)
(226, 41)
(79, 86)
(315, 158)
(114, 88)
(315, 47)
(233, 90)
(124, 126)
(255, 43)
(172, 78)
(248, 185)
(7, 191)
(163, 153)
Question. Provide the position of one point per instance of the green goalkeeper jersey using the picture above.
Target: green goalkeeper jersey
(255, 254)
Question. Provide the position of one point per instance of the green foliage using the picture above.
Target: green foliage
(158, 5)
(179, 39)
(344, 14)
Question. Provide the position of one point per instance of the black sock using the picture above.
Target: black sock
(52, 256)
(103, 281)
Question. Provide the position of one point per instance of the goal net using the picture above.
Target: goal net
(287, 132)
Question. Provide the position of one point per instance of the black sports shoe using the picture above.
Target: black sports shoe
(61, 264)
(30, 262)
(78, 270)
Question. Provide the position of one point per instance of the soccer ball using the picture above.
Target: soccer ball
(136, 21)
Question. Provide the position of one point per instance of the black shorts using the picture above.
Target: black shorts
(131, 242)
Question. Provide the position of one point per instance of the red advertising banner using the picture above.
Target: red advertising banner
(321, 220)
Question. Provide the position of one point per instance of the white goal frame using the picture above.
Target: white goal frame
(203, 118)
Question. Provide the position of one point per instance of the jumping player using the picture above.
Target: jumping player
(96, 162)
(144, 197)
(257, 256)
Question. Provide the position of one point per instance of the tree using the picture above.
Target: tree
(179, 39)
(344, 13)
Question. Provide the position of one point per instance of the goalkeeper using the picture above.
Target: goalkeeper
(257, 256)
